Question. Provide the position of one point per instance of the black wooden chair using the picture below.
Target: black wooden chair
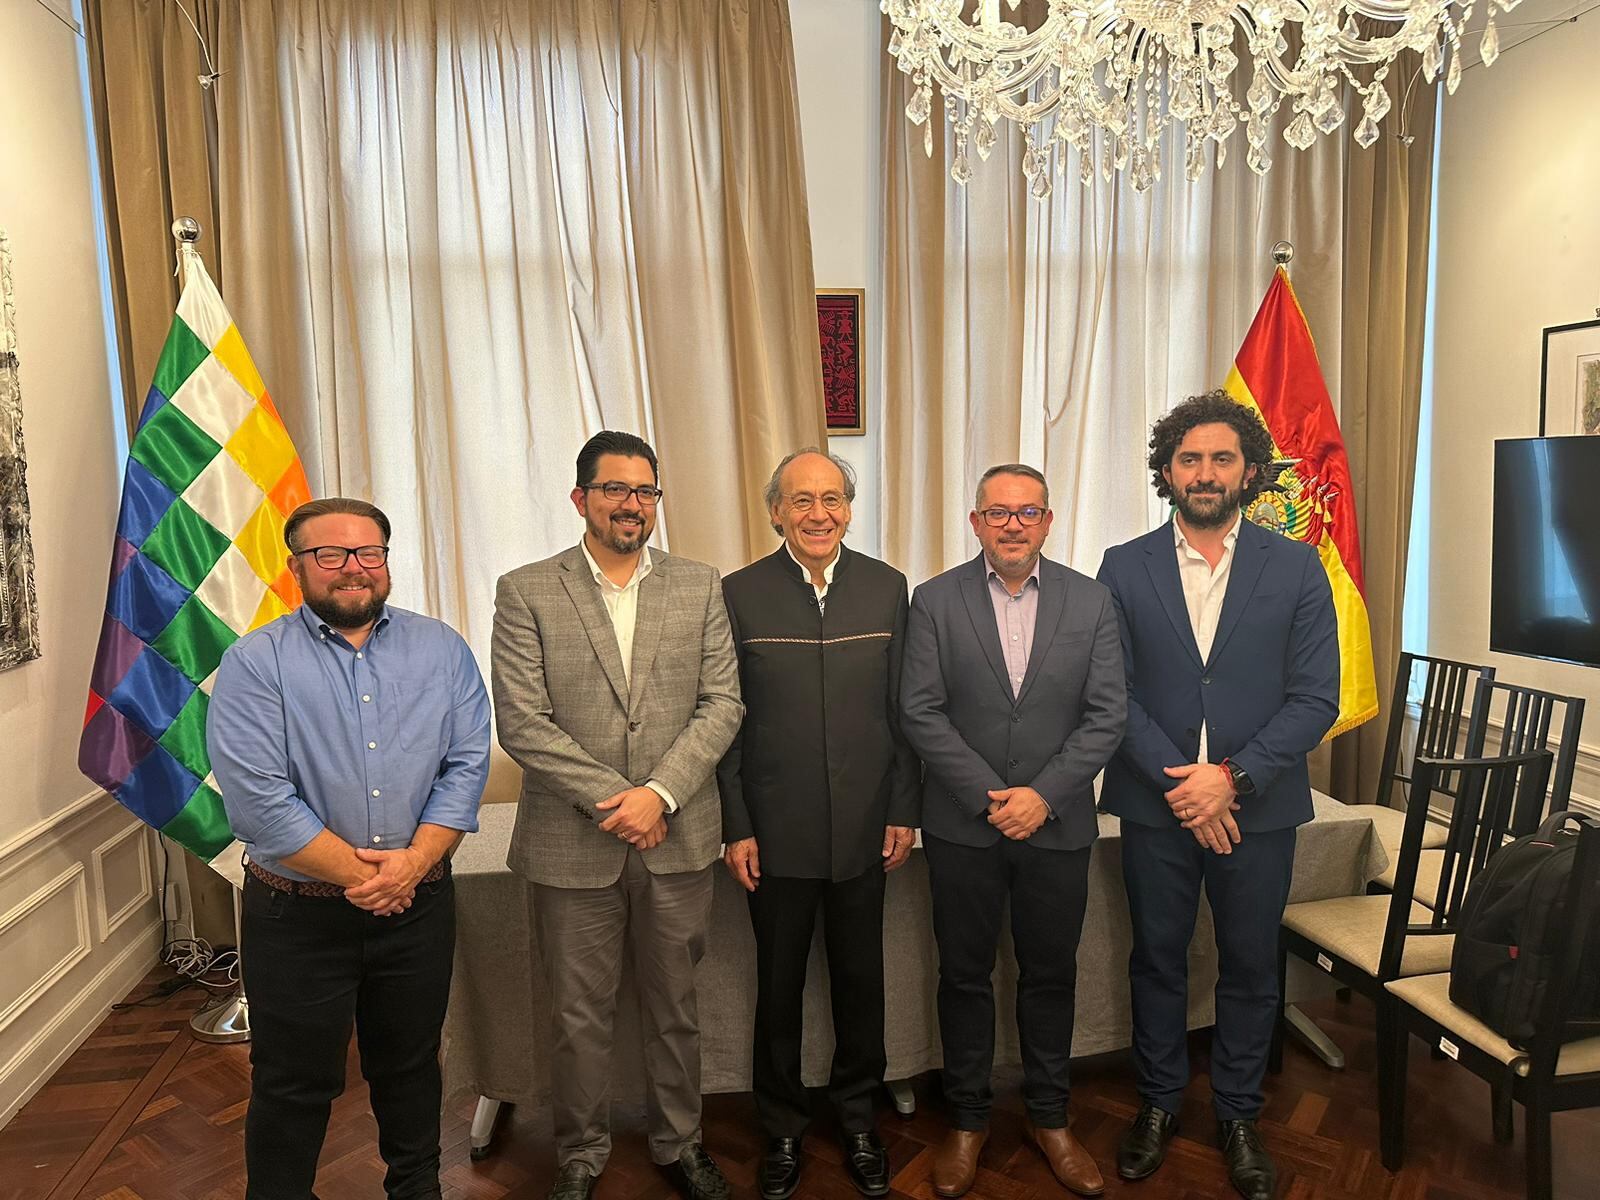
(1557, 1071)
(1366, 942)
(1506, 719)
(1442, 723)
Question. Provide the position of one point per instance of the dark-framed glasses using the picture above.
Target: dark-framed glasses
(333, 558)
(998, 518)
(804, 502)
(618, 492)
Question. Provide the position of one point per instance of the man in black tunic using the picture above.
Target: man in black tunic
(819, 801)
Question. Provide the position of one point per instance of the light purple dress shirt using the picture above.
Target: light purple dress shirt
(1013, 619)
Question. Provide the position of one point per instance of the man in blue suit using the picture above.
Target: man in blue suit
(1232, 655)
(1011, 693)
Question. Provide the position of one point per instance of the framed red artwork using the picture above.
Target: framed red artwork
(840, 317)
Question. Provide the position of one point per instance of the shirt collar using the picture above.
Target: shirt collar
(1033, 575)
(1229, 539)
(318, 627)
(827, 571)
(644, 567)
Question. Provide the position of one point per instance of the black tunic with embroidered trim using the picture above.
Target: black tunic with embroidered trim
(819, 766)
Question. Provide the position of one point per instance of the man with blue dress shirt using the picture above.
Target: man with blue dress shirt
(351, 742)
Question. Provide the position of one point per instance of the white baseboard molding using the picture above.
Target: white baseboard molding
(31, 1067)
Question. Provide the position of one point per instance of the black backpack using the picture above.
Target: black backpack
(1512, 929)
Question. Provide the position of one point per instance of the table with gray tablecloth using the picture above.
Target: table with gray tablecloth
(497, 1033)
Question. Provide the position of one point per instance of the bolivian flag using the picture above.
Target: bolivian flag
(1276, 372)
(198, 561)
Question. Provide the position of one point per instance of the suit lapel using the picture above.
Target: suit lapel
(980, 609)
(647, 624)
(596, 621)
(1161, 560)
(1052, 603)
(1249, 558)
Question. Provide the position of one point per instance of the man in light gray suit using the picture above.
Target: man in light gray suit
(617, 691)
(1013, 695)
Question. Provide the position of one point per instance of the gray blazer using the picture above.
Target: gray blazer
(957, 711)
(569, 719)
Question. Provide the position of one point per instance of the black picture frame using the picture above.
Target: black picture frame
(1561, 334)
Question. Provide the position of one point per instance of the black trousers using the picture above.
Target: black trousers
(1047, 890)
(783, 913)
(1162, 870)
(313, 966)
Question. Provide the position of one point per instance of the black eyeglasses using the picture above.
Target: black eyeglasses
(333, 558)
(998, 518)
(618, 492)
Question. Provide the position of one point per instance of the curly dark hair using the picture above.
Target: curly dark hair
(1211, 408)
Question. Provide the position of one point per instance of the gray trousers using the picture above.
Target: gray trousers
(660, 921)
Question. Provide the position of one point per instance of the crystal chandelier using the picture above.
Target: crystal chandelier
(1124, 71)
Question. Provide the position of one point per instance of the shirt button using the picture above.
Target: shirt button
(377, 839)
(322, 637)
(358, 654)
(366, 699)
(376, 792)
(372, 745)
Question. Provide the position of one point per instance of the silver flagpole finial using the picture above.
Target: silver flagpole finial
(1282, 252)
(186, 231)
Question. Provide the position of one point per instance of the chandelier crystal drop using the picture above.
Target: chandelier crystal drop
(1114, 76)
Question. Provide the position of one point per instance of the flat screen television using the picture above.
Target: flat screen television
(1544, 594)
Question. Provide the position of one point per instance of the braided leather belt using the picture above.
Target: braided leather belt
(317, 888)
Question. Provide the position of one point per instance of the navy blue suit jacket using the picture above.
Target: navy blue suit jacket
(1268, 693)
(957, 711)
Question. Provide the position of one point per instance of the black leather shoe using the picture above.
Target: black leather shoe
(1249, 1168)
(1145, 1144)
(573, 1182)
(696, 1174)
(868, 1163)
(780, 1168)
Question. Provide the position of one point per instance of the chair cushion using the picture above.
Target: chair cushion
(1390, 825)
(1429, 866)
(1430, 996)
(1352, 928)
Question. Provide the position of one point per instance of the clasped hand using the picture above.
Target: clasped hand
(1204, 802)
(393, 886)
(1017, 812)
(638, 817)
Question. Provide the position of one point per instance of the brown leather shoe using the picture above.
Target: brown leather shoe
(955, 1163)
(1068, 1160)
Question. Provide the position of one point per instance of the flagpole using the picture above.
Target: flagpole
(229, 1019)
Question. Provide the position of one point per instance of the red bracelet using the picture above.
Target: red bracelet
(1228, 775)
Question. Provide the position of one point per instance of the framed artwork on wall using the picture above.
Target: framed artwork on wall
(841, 317)
(1569, 380)
(19, 617)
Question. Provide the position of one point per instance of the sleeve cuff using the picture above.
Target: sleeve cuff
(660, 789)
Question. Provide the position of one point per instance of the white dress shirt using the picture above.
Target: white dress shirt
(827, 576)
(622, 603)
(1203, 592)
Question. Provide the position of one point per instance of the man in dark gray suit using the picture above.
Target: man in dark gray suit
(617, 692)
(1013, 694)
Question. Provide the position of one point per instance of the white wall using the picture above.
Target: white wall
(77, 922)
(1518, 249)
(836, 54)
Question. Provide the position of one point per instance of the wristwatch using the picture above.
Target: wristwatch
(1242, 783)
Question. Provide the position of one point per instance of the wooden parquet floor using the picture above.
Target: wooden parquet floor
(144, 1112)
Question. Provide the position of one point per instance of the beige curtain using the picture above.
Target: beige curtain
(1055, 333)
(155, 130)
(1388, 196)
(463, 235)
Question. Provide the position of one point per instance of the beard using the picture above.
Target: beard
(621, 539)
(1030, 554)
(1208, 508)
(342, 610)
